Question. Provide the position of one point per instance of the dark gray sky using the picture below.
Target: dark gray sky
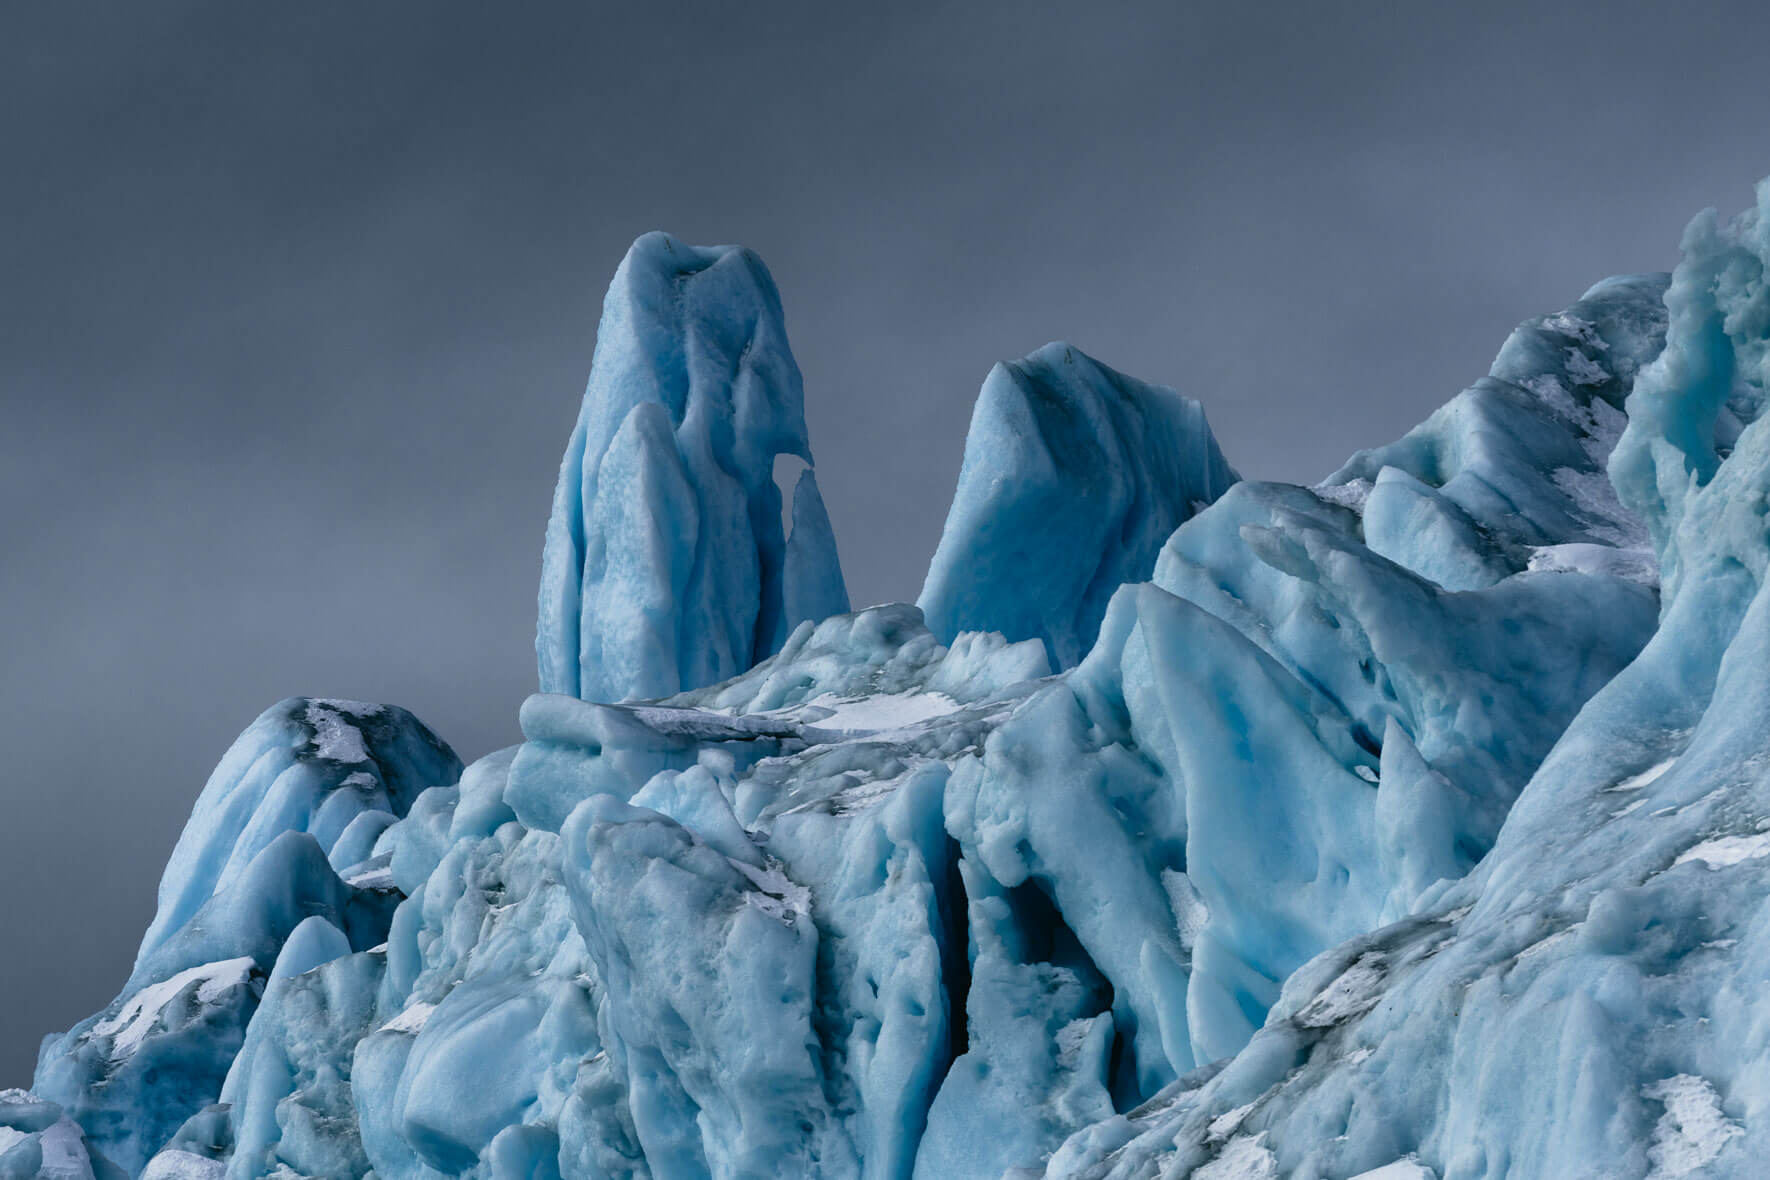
(297, 301)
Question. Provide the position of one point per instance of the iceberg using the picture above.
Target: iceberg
(1414, 824)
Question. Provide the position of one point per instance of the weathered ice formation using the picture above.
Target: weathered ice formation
(1410, 826)
(666, 567)
(1074, 475)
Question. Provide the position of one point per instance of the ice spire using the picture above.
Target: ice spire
(666, 566)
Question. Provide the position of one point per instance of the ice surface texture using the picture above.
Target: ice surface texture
(1413, 825)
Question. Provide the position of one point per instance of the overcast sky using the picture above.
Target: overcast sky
(297, 301)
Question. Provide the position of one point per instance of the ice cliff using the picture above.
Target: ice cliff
(1411, 825)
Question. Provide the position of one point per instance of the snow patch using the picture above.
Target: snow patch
(1070, 1040)
(137, 1017)
(1242, 1158)
(1632, 565)
(1351, 494)
(371, 877)
(1692, 1131)
(172, 1164)
(412, 1020)
(1403, 1169)
(885, 712)
(1727, 850)
(777, 895)
(1595, 498)
(863, 795)
(1636, 781)
(1583, 332)
(1227, 1123)
(334, 738)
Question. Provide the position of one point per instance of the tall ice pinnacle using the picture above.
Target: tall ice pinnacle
(666, 565)
(1074, 476)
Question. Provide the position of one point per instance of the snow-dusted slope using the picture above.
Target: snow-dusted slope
(1398, 827)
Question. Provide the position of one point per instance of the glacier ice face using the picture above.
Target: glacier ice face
(1409, 825)
(666, 567)
(1074, 474)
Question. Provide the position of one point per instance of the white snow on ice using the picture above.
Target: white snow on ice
(1727, 850)
(335, 738)
(886, 712)
(1692, 1131)
(779, 897)
(378, 877)
(1351, 494)
(1575, 328)
(1404, 1169)
(173, 1164)
(1629, 564)
(412, 1020)
(1243, 1158)
(1636, 781)
(132, 1023)
(1227, 1123)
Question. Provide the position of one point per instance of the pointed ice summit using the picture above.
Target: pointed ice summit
(666, 565)
(1074, 476)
